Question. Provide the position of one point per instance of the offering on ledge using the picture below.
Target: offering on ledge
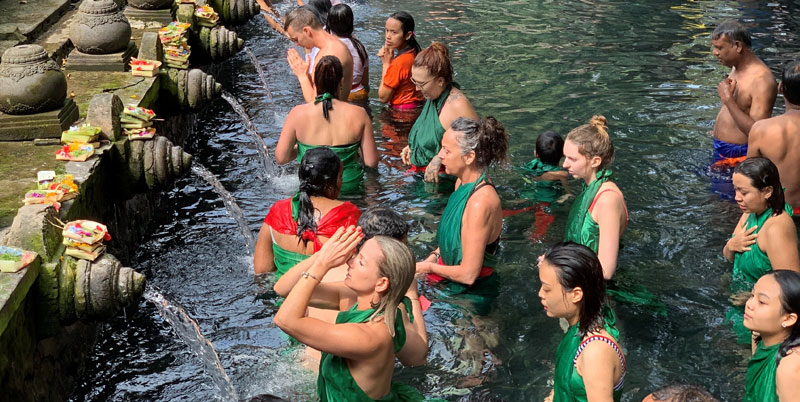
(75, 151)
(144, 68)
(84, 239)
(84, 134)
(206, 16)
(13, 259)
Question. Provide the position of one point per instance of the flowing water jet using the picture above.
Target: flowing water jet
(269, 165)
(261, 73)
(230, 204)
(189, 332)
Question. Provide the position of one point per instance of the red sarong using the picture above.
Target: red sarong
(280, 219)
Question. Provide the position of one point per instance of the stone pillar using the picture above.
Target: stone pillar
(104, 111)
(102, 38)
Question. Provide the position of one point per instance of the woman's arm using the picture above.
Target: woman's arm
(415, 350)
(263, 259)
(385, 92)
(326, 295)
(741, 240)
(779, 242)
(787, 378)
(286, 149)
(369, 151)
(597, 365)
(365, 76)
(610, 212)
(478, 224)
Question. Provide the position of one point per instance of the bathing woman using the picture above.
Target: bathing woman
(396, 87)
(345, 128)
(590, 364)
(765, 237)
(773, 373)
(598, 216)
(359, 349)
(469, 232)
(296, 227)
(432, 74)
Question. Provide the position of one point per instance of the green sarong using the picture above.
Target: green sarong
(760, 379)
(425, 138)
(353, 174)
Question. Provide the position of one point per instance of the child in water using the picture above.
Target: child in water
(547, 174)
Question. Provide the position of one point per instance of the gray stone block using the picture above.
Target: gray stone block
(119, 61)
(40, 125)
(150, 47)
(104, 112)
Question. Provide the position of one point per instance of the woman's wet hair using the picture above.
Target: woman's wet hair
(321, 8)
(683, 393)
(789, 282)
(550, 148)
(399, 266)
(487, 137)
(328, 75)
(763, 173)
(382, 221)
(319, 176)
(436, 59)
(733, 31)
(340, 23)
(301, 17)
(790, 82)
(577, 266)
(593, 140)
(407, 22)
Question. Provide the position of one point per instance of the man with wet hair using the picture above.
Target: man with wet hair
(381, 221)
(778, 138)
(304, 29)
(747, 93)
(680, 393)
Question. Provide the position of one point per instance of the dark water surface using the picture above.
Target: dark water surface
(536, 66)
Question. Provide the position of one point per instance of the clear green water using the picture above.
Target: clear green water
(536, 66)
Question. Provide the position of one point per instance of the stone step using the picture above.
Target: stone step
(27, 19)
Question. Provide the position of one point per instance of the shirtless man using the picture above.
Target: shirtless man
(778, 138)
(747, 93)
(304, 29)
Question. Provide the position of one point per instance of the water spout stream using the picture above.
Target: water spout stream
(230, 204)
(269, 165)
(261, 73)
(189, 332)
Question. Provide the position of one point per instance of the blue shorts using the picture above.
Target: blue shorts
(725, 150)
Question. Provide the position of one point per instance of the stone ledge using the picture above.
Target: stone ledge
(14, 288)
(27, 21)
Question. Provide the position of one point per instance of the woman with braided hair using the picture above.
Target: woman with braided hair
(296, 227)
(345, 128)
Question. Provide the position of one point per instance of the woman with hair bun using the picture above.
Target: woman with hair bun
(573, 289)
(432, 74)
(469, 231)
(772, 311)
(765, 238)
(296, 227)
(345, 128)
(598, 216)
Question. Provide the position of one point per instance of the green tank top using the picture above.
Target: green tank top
(568, 385)
(285, 259)
(336, 384)
(448, 236)
(581, 227)
(353, 173)
(748, 266)
(760, 379)
(425, 137)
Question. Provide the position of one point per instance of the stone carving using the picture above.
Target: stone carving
(150, 4)
(30, 82)
(218, 43)
(95, 290)
(235, 12)
(100, 28)
(190, 89)
(158, 160)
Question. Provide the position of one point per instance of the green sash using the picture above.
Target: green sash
(760, 379)
(581, 227)
(353, 173)
(285, 259)
(336, 384)
(425, 138)
(448, 236)
(544, 191)
(748, 266)
(568, 384)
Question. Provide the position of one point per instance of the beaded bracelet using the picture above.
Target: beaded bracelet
(306, 274)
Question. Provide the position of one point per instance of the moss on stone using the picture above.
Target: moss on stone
(18, 167)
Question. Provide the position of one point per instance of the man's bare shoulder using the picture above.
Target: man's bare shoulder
(339, 50)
